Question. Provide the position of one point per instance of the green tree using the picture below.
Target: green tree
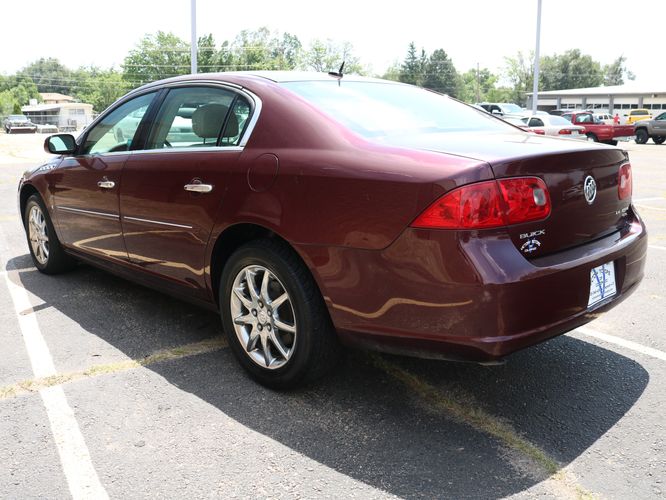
(570, 70)
(615, 72)
(413, 68)
(49, 74)
(518, 71)
(484, 79)
(440, 74)
(156, 56)
(328, 55)
(99, 87)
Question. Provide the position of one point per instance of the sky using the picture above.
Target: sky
(85, 32)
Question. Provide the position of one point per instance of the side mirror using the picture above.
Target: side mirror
(60, 144)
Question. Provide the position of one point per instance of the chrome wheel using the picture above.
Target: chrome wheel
(263, 317)
(38, 234)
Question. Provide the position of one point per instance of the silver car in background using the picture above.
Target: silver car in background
(554, 125)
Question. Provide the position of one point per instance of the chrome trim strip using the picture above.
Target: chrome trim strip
(253, 120)
(200, 149)
(87, 212)
(171, 224)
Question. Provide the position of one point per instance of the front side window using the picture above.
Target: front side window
(199, 117)
(116, 131)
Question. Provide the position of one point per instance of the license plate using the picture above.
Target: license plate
(602, 283)
(627, 138)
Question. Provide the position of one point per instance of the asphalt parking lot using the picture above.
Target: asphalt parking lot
(112, 389)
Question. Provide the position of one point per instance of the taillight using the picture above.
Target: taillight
(564, 131)
(624, 182)
(526, 199)
(538, 131)
(488, 204)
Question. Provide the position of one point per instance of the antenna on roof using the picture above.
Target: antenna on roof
(338, 74)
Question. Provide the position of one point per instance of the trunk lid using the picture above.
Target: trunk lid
(564, 165)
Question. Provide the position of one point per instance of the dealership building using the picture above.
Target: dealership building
(616, 98)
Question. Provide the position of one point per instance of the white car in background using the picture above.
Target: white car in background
(554, 125)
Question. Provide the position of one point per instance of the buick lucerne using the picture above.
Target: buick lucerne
(315, 211)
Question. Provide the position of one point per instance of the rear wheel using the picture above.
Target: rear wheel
(659, 139)
(592, 137)
(274, 316)
(45, 249)
(641, 136)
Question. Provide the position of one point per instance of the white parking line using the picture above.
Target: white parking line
(656, 247)
(75, 458)
(628, 344)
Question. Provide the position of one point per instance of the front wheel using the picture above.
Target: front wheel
(274, 316)
(46, 251)
(659, 139)
(641, 136)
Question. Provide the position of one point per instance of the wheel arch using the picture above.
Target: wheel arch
(27, 190)
(232, 238)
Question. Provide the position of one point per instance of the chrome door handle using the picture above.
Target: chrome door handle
(106, 184)
(198, 188)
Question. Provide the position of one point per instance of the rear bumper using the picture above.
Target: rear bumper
(464, 295)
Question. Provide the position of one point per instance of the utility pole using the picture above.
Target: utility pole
(193, 43)
(535, 87)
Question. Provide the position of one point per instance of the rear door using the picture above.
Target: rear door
(87, 184)
(172, 188)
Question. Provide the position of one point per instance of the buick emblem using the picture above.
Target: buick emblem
(590, 189)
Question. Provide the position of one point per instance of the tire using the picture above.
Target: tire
(659, 139)
(612, 142)
(308, 345)
(48, 256)
(641, 136)
(592, 137)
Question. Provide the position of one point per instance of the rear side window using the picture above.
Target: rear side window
(391, 112)
(199, 117)
(535, 122)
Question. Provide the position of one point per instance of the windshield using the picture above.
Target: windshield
(388, 112)
(558, 120)
(511, 108)
(18, 117)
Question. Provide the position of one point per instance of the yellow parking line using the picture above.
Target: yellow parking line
(173, 353)
(464, 409)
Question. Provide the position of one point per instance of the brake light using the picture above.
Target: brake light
(488, 204)
(564, 131)
(538, 131)
(624, 184)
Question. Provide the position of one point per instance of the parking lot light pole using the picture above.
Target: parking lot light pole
(193, 43)
(535, 85)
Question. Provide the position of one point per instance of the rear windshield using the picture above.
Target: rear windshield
(558, 120)
(387, 111)
(640, 112)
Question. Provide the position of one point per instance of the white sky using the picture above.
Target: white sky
(83, 32)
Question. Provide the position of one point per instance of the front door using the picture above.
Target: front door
(173, 189)
(87, 184)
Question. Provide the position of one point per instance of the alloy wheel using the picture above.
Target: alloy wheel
(38, 234)
(263, 317)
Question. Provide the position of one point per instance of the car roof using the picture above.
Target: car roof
(243, 77)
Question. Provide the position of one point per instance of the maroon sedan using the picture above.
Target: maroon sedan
(315, 210)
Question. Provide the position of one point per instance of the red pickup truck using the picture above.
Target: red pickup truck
(598, 131)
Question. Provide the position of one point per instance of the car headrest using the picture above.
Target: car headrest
(207, 121)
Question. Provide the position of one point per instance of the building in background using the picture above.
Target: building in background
(59, 110)
(614, 99)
